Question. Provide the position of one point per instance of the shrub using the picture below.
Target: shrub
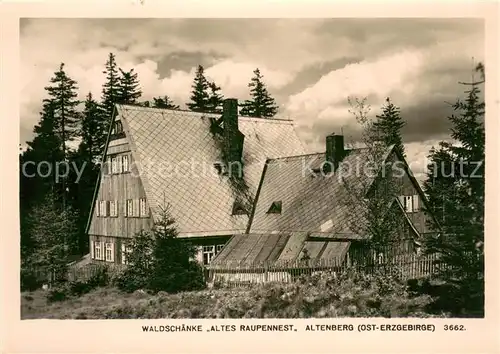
(59, 293)
(30, 280)
(159, 261)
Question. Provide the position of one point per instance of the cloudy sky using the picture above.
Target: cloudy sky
(311, 66)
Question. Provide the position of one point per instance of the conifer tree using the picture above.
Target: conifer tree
(110, 96)
(261, 104)
(388, 126)
(63, 104)
(91, 128)
(110, 89)
(215, 99)
(129, 90)
(164, 102)
(199, 94)
(455, 186)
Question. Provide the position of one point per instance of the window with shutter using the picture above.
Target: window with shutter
(125, 163)
(92, 255)
(416, 204)
(97, 250)
(97, 208)
(408, 204)
(130, 208)
(110, 252)
(119, 164)
(142, 207)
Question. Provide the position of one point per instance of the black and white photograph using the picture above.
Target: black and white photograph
(252, 168)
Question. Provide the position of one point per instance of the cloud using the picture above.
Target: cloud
(310, 65)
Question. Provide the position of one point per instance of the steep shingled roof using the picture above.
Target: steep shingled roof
(175, 154)
(310, 202)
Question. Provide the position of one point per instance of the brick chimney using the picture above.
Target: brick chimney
(334, 152)
(232, 137)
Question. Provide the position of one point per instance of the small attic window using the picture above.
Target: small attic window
(239, 209)
(275, 208)
(117, 131)
(220, 168)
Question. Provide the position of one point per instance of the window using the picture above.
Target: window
(103, 210)
(113, 208)
(275, 208)
(408, 203)
(97, 250)
(143, 211)
(110, 252)
(208, 254)
(238, 209)
(416, 204)
(117, 127)
(130, 208)
(114, 165)
(219, 248)
(125, 163)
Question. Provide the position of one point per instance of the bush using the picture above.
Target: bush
(59, 293)
(30, 280)
(98, 279)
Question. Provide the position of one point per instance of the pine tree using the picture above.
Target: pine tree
(215, 99)
(92, 118)
(110, 96)
(388, 126)
(159, 261)
(110, 89)
(129, 90)
(53, 234)
(261, 104)
(455, 186)
(63, 103)
(164, 102)
(199, 94)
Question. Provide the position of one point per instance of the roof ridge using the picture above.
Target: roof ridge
(310, 154)
(136, 107)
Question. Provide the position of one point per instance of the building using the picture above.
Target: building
(301, 210)
(156, 156)
(282, 205)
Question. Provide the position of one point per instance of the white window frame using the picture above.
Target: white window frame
(408, 205)
(210, 252)
(114, 166)
(98, 251)
(219, 248)
(113, 208)
(129, 208)
(416, 202)
(103, 208)
(109, 252)
(143, 210)
(125, 165)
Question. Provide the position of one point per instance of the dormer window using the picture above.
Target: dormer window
(275, 208)
(220, 168)
(117, 131)
(239, 209)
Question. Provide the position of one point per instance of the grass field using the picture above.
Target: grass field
(318, 298)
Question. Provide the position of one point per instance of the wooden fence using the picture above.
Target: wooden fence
(405, 266)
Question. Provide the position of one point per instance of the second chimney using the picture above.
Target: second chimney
(232, 137)
(334, 152)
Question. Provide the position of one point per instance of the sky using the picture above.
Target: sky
(311, 66)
